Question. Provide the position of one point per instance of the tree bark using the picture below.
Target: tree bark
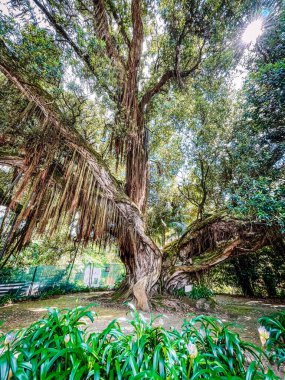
(208, 243)
(133, 116)
(137, 170)
(139, 253)
(143, 269)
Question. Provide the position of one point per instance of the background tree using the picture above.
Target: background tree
(257, 146)
(252, 168)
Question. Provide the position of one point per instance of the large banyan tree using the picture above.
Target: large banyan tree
(128, 52)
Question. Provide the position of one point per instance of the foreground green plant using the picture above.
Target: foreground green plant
(58, 347)
(221, 352)
(51, 348)
(272, 335)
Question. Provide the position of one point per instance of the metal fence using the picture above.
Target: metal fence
(32, 281)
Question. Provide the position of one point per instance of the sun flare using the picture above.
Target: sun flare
(253, 31)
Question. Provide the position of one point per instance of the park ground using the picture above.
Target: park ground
(170, 311)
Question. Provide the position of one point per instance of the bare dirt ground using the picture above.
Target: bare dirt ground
(241, 310)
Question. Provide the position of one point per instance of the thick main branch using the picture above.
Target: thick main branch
(211, 241)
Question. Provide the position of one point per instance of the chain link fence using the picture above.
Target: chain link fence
(33, 281)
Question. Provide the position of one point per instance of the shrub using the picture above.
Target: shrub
(273, 335)
(8, 299)
(57, 347)
(200, 291)
(221, 352)
(51, 348)
(179, 292)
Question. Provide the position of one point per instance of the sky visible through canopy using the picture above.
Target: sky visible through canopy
(248, 36)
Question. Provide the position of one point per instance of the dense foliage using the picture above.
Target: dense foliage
(59, 347)
(274, 325)
(261, 274)
(258, 139)
(200, 291)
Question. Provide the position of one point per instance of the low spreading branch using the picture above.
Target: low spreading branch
(169, 75)
(210, 242)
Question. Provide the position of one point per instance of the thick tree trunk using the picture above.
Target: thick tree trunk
(142, 260)
(177, 276)
(137, 170)
(143, 269)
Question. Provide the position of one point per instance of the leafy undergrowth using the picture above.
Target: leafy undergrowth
(59, 347)
(198, 291)
(272, 336)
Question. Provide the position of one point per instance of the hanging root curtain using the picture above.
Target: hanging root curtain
(63, 179)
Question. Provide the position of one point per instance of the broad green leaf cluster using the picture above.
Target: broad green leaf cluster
(274, 324)
(60, 347)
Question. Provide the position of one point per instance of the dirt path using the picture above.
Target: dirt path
(240, 310)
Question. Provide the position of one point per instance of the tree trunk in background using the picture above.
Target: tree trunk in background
(241, 267)
(279, 245)
(270, 282)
